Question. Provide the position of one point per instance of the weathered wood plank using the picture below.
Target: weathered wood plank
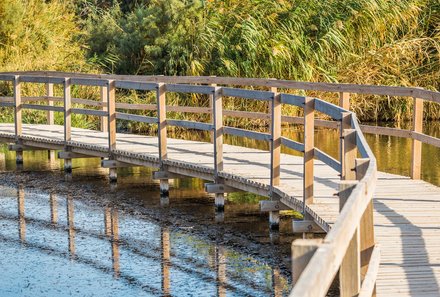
(309, 151)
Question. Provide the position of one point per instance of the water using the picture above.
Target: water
(87, 238)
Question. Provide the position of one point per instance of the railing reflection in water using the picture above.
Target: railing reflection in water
(111, 231)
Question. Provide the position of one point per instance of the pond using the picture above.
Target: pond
(89, 238)
(86, 237)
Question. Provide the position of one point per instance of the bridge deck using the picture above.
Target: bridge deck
(407, 212)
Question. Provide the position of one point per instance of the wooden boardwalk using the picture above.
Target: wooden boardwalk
(407, 212)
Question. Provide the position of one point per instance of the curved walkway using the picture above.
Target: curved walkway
(407, 212)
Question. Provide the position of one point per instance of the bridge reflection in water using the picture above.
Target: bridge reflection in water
(145, 255)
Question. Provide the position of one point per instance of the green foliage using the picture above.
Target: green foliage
(39, 35)
(153, 38)
(368, 42)
(352, 41)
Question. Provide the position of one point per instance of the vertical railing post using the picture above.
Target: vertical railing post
(366, 224)
(309, 150)
(67, 111)
(18, 107)
(111, 96)
(275, 153)
(416, 156)
(18, 117)
(50, 114)
(67, 122)
(348, 150)
(344, 100)
(218, 144)
(302, 251)
(49, 94)
(350, 270)
(104, 102)
(211, 106)
(162, 121)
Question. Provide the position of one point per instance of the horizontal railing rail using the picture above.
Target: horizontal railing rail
(349, 246)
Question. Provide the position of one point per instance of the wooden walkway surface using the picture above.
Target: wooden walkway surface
(407, 212)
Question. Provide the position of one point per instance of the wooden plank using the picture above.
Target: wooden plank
(190, 89)
(328, 160)
(256, 82)
(115, 164)
(67, 110)
(344, 100)
(426, 138)
(275, 141)
(49, 93)
(246, 114)
(72, 155)
(291, 99)
(7, 104)
(189, 109)
(136, 118)
(18, 106)
(219, 188)
(272, 205)
(349, 272)
(369, 283)
(416, 154)
(190, 125)
(21, 148)
(167, 175)
(306, 226)
(143, 86)
(302, 252)
(247, 94)
(366, 226)
(104, 101)
(111, 97)
(349, 155)
(92, 112)
(49, 108)
(247, 133)
(329, 109)
(309, 151)
(132, 106)
(292, 144)
(36, 79)
(89, 82)
(161, 114)
(218, 130)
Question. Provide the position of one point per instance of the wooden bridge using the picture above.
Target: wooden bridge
(382, 229)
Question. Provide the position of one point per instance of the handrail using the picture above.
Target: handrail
(254, 82)
(346, 242)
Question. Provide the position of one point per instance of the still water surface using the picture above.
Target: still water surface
(88, 238)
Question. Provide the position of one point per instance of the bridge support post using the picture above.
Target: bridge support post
(217, 111)
(275, 154)
(68, 165)
(113, 175)
(164, 185)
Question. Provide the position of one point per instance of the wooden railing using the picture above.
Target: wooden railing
(349, 246)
